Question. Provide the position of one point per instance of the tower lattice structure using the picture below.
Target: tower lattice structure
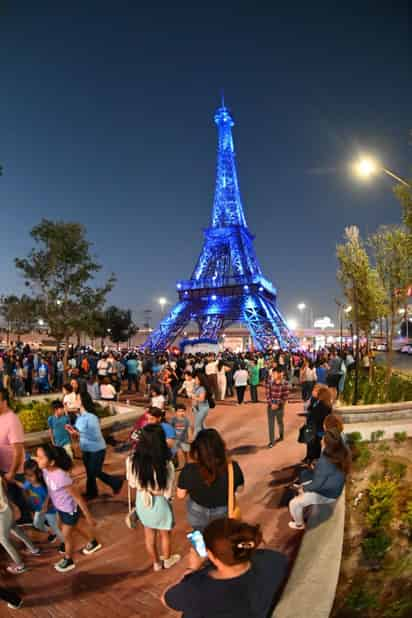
(227, 284)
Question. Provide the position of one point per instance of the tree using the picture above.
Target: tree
(362, 288)
(404, 195)
(390, 245)
(20, 313)
(119, 324)
(60, 270)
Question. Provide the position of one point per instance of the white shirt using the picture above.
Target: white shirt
(158, 402)
(107, 391)
(188, 386)
(241, 377)
(211, 368)
(102, 367)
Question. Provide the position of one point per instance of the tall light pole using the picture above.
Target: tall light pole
(162, 302)
(303, 307)
(366, 167)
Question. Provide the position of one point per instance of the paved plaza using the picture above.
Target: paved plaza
(118, 581)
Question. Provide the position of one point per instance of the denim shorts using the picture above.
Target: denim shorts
(69, 519)
(200, 516)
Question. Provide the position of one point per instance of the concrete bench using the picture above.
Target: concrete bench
(311, 587)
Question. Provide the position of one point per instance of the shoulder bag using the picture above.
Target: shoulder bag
(233, 511)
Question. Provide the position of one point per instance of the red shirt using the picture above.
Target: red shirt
(277, 393)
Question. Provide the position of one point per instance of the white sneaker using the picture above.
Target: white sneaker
(295, 526)
(174, 559)
(157, 566)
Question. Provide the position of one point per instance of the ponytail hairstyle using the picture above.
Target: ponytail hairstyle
(232, 541)
(58, 455)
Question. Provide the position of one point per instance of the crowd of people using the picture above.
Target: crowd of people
(172, 453)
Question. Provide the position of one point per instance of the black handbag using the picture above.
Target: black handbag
(306, 434)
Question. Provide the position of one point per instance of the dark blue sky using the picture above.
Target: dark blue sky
(106, 117)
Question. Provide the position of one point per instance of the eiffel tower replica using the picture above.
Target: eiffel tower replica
(227, 284)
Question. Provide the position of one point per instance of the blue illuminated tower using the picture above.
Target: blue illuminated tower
(227, 284)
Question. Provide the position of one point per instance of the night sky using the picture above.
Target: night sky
(106, 117)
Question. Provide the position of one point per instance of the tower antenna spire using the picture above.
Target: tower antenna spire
(223, 97)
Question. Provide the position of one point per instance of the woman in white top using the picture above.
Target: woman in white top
(150, 470)
(222, 369)
(240, 379)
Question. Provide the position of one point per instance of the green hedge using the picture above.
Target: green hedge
(34, 414)
(378, 390)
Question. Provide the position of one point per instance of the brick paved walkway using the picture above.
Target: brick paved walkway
(118, 581)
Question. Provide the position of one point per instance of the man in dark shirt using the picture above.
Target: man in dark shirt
(250, 595)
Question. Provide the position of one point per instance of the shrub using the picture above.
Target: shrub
(34, 414)
(400, 436)
(394, 469)
(381, 503)
(375, 547)
(378, 389)
(361, 455)
(360, 600)
(377, 435)
(401, 608)
(407, 517)
(354, 437)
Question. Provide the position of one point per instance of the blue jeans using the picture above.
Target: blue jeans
(200, 516)
(200, 412)
(41, 520)
(93, 462)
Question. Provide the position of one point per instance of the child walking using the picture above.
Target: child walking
(55, 464)
(181, 425)
(45, 516)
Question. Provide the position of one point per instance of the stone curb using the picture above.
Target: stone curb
(311, 588)
(125, 415)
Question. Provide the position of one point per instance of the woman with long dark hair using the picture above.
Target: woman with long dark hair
(328, 478)
(238, 580)
(205, 481)
(200, 403)
(150, 470)
(320, 405)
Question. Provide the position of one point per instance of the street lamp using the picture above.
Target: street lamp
(309, 314)
(366, 167)
(162, 302)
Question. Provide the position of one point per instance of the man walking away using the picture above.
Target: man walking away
(277, 393)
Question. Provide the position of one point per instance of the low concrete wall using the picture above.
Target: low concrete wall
(376, 412)
(125, 415)
(311, 587)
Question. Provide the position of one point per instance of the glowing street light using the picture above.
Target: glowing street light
(292, 323)
(366, 166)
(301, 306)
(40, 322)
(348, 309)
(162, 302)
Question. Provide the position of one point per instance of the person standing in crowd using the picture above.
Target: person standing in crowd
(12, 456)
(205, 481)
(277, 394)
(102, 367)
(237, 580)
(188, 385)
(200, 403)
(180, 423)
(66, 499)
(211, 374)
(107, 390)
(222, 370)
(240, 379)
(132, 373)
(320, 405)
(93, 447)
(328, 478)
(93, 387)
(156, 416)
(254, 381)
(150, 470)
(307, 378)
(335, 373)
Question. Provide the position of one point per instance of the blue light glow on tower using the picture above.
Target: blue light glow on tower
(227, 284)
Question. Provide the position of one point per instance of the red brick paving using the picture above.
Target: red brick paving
(118, 581)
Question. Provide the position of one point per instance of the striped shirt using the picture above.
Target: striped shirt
(277, 393)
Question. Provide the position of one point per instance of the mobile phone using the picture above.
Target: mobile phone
(198, 542)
